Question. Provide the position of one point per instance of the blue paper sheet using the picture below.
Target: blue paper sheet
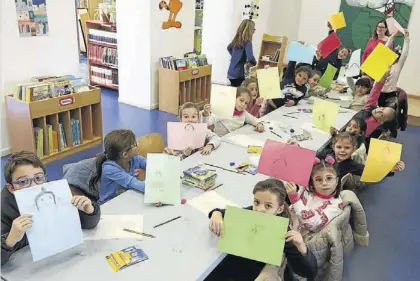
(56, 223)
(300, 52)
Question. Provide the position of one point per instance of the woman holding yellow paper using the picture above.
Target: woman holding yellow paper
(270, 198)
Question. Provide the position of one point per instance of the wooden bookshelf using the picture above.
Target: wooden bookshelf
(95, 59)
(269, 45)
(178, 87)
(23, 117)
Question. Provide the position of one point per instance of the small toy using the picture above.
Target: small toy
(183, 201)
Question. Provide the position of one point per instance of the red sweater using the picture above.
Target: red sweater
(370, 46)
(373, 97)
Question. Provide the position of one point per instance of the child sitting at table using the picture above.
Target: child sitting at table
(316, 90)
(239, 116)
(359, 91)
(344, 144)
(118, 166)
(293, 86)
(257, 104)
(269, 198)
(23, 170)
(318, 204)
(190, 113)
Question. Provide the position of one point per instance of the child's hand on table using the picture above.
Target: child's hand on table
(19, 226)
(293, 142)
(216, 223)
(400, 166)
(290, 103)
(260, 127)
(83, 204)
(333, 131)
(187, 151)
(158, 204)
(167, 150)
(291, 188)
(259, 101)
(206, 150)
(296, 238)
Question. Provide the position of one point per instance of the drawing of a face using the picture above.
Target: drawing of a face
(189, 128)
(45, 200)
(253, 233)
(278, 165)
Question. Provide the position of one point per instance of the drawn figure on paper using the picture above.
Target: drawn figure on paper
(45, 199)
(189, 128)
(174, 6)
(279, 164)
(253, 233)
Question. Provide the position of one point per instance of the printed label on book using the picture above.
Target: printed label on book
(66, 101)
(195, 72)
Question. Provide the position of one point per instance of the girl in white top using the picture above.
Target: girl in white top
(318, 204)
(239, 118)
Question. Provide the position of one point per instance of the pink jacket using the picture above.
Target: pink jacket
(256, 110)
(372, 101)
(370, 46)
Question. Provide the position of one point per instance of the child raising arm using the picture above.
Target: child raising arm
(240, 116)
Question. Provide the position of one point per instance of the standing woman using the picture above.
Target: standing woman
(380, 35)
(240, 50)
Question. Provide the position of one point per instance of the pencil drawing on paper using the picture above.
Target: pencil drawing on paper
(278, 164)
(189, 127)
(44, 198)
(253, 233)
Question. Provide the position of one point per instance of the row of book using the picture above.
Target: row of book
(103, 36)
(53, 138)
(104, 76)
(41, 88)
(189, 61)
(103, 55)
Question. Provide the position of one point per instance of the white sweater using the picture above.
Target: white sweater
(394, 74)
(314, 211)
(225, 126)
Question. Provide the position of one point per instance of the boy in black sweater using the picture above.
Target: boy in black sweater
(24, 169)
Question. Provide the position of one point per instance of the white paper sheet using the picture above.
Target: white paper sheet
(210, 200)
(222, 101)
(245, 141)
(56, 223)
(353, 67)
(111, 227)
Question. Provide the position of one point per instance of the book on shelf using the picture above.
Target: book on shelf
(63, 140)
(190, 60)
(54, 137)
(39, 141)
(75, 129)
(41, 88)
(104, 76)
(102, 36)
(103, 55)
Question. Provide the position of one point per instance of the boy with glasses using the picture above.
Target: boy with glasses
(24, 169)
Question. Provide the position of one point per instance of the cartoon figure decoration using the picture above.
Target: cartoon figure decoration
(173, 7)
(252, 10)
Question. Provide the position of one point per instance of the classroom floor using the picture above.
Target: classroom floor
(393, 221)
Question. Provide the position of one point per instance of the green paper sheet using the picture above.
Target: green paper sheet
(253, 235)
(163, 183)
(328, 76)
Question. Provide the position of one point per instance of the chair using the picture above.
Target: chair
(152, 143)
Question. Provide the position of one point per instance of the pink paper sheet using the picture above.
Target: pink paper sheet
(286, 162)
(329, 44)
(184, 135)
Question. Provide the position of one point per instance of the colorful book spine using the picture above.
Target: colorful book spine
(54, 141)
(50, 139)
(39, 141)
(63, 140)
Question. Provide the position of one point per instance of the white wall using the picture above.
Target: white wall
(312, 28)
(284, 18)
(22, 58)
(142, 41)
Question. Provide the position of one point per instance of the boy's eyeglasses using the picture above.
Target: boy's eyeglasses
(328, 179)
(26, 182)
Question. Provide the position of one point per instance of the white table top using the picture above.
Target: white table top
(184, 249)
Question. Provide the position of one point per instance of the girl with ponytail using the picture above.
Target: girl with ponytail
(118, 166)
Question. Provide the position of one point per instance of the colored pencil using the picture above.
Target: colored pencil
(290, 116)
(168, 221)
(139, 233)
(276, 134)
(225, 169)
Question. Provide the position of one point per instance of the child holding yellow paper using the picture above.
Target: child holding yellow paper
(269, 198)
(318, 204)
(240, 116)
(257, 104)
(190, 113)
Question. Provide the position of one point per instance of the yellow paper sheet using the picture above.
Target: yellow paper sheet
(382, 157)
(269, 83)
(324, 114)
(378, 62)
(337, 21)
